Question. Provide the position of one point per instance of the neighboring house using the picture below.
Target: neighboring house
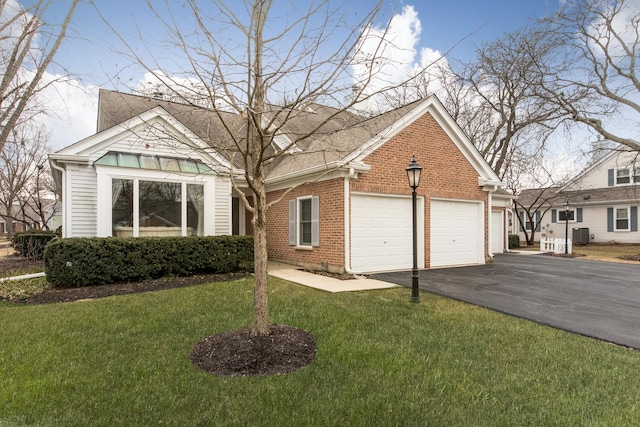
(603, 203)
(149, 169)
(21, 220)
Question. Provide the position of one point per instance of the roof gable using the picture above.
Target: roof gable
(153, 131)
(595, 175)
(434, 107)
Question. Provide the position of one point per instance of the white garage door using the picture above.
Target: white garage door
(382, 233)
(457, 236)
(497, 232)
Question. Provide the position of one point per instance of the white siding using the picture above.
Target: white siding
(594, 218)
(83, 206)
(597, 177)
(223, 206)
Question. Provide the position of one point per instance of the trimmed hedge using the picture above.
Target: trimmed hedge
(514, 241)
(76, 262)
(31, 243)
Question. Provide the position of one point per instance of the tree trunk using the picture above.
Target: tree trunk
(260, 292)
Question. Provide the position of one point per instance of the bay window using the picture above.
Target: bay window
(143, 207)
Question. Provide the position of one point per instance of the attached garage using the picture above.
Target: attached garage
(457, 233)
(382, 232)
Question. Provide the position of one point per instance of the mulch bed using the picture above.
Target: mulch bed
(238, 353)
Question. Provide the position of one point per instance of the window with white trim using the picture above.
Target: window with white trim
(621, 219)
(623, 176)
(562, 215)
(304, 222)
(156, 208)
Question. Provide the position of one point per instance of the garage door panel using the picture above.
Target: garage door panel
(381, 233)
(456, 233)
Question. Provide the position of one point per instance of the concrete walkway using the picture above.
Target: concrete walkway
(325, 283)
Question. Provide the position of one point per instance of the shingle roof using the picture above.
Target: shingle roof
(627, 193)
(115, 108)
(323, 134)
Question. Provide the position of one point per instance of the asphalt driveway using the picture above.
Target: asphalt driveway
(593, 298)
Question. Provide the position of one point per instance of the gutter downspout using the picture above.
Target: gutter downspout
(63, 201)
(347, 225)
(490, 219)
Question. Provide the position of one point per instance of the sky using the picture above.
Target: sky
(426, 28)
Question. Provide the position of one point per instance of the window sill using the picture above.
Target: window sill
(304, 248)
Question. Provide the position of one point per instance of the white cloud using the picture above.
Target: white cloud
(388, 56)
(71, 110)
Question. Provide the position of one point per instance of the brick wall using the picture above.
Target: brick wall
(331, 249)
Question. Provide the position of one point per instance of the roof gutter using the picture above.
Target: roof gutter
(69, 158)
(319, 170)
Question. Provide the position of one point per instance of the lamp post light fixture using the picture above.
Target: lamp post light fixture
(413, 174)
(566, 227)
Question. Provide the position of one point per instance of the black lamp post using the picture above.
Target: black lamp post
(566, 227)
(413, 173)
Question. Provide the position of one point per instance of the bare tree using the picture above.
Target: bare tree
(267, 70)
(22, 170)
(535, 179)
(28, 44)
(493, 98)
(596, 81)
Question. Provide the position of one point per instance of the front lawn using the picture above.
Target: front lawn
(381, 361)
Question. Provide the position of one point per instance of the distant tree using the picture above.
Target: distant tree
(535, 180)
(23, 178)
(595, 76)
(494, 98)
(28, 44)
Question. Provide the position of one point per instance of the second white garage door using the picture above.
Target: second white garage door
(457, 236)
(382, 233)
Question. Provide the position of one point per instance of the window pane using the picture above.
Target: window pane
(160, 208)
(622, 219)
(128, 160)
(622, 176)
(188, 166)
(195, 210)
(149, 162)
(109, 159)
(305, 222)
(122, 207)
(167, 164)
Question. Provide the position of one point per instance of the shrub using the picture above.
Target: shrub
(514, 241)
(31, 243)
(75, 262)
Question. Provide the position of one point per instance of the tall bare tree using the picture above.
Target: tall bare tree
(267, 68)
(22, 178)
(596, 81)
(494, 98)
(28, 44)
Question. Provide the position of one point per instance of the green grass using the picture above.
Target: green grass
(381, 361)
